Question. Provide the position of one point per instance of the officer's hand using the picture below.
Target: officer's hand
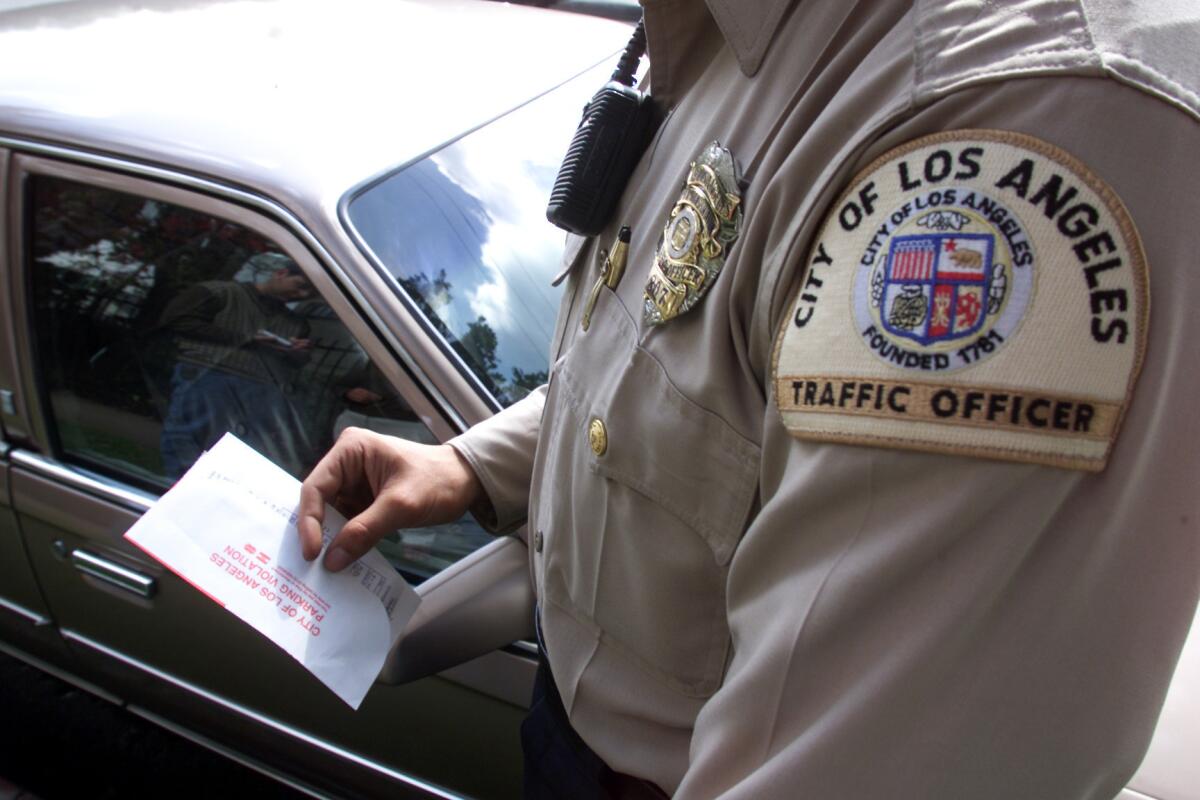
(381, 483)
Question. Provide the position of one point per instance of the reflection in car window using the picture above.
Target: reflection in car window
(159, 328)
(464, 233)
(238, 351)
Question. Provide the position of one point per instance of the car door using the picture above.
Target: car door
(150, 318)
(26, 628)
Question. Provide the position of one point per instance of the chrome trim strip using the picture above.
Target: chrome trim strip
(61, 674)
(1130, 794)
(262, 719)
(84, 482)
(525, 648)
(114, 573)
(34, 617)
(227, 752)
(264, 205)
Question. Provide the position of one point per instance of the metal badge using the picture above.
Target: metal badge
(703, 226)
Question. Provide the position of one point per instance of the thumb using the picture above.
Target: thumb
(363, 532)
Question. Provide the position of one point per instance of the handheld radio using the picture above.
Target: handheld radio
(617, 125)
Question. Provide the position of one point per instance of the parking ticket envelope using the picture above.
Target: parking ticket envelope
(228, 527)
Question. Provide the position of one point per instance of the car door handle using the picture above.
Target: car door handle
(113, 573)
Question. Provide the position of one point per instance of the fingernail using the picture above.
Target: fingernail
(337, 559)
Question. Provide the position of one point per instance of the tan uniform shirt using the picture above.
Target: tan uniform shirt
(731, 610)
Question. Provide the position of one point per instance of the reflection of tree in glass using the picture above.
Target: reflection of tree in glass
(105, 264)
(115, 250)
(525, 382)
(480, 342)
(433, 232)
(434, 292)
(477, 346)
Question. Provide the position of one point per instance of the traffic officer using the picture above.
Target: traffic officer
(874, 473)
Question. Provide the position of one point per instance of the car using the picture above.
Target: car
(283, 218)
(1170, 770)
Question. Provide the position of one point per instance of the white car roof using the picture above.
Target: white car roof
(299, 99)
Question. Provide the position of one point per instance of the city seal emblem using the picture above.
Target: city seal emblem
(951, 270)
(702, 227)
(973, 293)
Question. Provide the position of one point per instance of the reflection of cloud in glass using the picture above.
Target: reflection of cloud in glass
(475, 214)
(419, 223)
(509, 167)
(490, 301)
(518, 299)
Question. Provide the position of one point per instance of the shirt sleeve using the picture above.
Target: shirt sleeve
(915, 625)
(500, 450)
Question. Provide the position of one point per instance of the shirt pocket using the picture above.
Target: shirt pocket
(642, 529)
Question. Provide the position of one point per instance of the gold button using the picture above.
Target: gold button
(597, 437)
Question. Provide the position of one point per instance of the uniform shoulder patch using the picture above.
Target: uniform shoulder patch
(973, 292)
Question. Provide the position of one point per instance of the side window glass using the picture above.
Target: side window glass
(159, 328)
(464, 234)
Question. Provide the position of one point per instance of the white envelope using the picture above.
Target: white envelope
(228, 527)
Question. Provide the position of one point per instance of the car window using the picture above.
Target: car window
(464, 235)
(158, 328)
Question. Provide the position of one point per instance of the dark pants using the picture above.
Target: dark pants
(207, 401)
(559, 765)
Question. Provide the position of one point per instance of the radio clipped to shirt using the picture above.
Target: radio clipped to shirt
(618, 123)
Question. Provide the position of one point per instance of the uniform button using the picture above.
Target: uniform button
(597, 436)
(537, 542)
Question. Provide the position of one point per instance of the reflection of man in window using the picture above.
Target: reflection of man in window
(238, 349)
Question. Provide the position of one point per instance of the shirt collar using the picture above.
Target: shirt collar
(749, 27)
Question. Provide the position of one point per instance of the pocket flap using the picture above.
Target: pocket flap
(679, 455)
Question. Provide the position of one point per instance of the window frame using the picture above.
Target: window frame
(32, 388)
(11, 422)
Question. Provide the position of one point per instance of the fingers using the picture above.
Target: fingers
(361, 396)
(321, 486)
(357, 469)
(386, 484)
(385, 514)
